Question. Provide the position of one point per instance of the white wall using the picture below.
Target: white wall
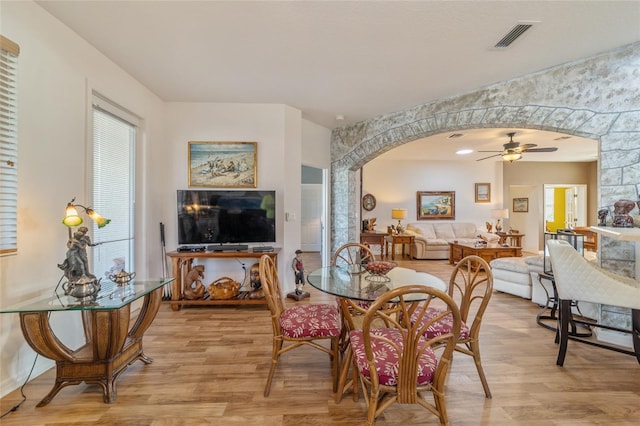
(57, 71)
(395, 185)
(316, 143)
(275, 128)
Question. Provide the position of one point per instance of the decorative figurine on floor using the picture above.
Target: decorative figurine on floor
(621, 217)
(602, 217)
(298, 268)
(193, 287)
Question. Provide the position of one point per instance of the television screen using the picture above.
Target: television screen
(208, 217)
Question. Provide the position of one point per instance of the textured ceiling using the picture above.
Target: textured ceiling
(358, 59)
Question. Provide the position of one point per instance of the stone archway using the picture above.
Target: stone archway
(596, 98)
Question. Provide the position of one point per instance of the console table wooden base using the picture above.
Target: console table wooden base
(111, 346)
(182, 262)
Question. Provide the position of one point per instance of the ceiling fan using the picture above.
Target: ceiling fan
(513, 150)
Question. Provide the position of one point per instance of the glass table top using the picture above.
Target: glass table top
(110, 296)
(361, 285)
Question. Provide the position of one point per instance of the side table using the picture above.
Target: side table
(374, 238)
(113, 336)
(514, 240)
(399, 239)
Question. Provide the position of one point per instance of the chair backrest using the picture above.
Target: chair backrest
(578, 279)
(471, 285)
(391, 310)
(352, 254)
(272, 291)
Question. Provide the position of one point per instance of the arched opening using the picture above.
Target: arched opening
(431, 164)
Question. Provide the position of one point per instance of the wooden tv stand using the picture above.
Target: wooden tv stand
(182, 262)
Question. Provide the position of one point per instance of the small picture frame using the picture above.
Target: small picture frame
(520, 205)
(223, 164)
(483, 192)
(436, 205)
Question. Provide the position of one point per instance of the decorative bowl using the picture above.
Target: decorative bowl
(378, 270)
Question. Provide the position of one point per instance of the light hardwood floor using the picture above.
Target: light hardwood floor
(211, 363)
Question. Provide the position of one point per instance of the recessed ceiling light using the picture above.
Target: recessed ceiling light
(464, 151)
(339, 117)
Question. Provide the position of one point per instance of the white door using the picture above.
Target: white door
(311, 220)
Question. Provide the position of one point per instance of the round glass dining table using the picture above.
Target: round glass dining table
(360, 285)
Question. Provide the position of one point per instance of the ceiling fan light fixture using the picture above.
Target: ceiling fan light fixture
(511, 156)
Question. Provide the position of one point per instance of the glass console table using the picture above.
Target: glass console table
(111, 342)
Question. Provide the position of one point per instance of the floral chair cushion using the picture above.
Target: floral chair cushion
(386, 357)
(313, 320)
(442, 326)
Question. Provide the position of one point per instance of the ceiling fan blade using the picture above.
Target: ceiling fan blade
(527, 146)
(491, 156)
(550, 149)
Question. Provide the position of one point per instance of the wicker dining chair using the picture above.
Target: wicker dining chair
(471, 286)
(299, 325)
(352, 254)
(395, 362)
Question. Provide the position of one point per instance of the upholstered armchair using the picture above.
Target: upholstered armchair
(576, 279)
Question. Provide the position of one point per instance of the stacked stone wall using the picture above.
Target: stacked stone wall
(597, 98)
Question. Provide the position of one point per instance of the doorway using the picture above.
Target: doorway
(314, 210)
(565, 206)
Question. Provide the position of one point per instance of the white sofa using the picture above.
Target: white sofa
(519, 276)
(432, 239)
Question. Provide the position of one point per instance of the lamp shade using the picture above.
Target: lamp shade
(398, 214)
(71, 217)
(500, 213)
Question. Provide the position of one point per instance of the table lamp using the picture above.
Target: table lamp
(499, 214)
(399, 214)
(81, 283)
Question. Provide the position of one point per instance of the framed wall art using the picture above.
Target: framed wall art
(223, 164)
(520, 205)
(436, 205)
(483, 192)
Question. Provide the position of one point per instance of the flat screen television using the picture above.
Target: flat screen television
(226, 217)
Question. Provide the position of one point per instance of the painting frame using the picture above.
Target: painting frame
(436, 205)
(520, 205)
(222, 164)
(483, 192)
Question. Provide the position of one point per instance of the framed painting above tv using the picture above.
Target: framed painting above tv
(223, 164)
(436, 205)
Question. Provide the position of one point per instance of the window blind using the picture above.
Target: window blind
(113, 177)
(9, 52)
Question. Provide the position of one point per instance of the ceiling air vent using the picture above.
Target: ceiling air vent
(512, 35)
